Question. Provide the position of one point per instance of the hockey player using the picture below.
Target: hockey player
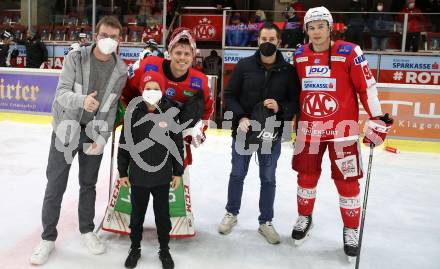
(333, 74)
(183, 83)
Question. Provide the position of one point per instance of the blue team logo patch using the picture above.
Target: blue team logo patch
(299, 51)
(344, 49)
(149, 67)
(170, 92)
(317, 61)
(359, 59)
(196, 83)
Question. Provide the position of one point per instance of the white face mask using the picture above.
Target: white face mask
(411, 5)
(379, 8)
(152, 96)
(107, 45)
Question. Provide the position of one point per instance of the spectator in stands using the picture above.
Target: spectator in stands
(224, 4)
(415, 25)
(258, 22)
(299, 9)
(355, 22)
(380, 25)
(237, 34)
(212, 65)
(293, 33)
(5, 41)
(433, 6)
(36, 51)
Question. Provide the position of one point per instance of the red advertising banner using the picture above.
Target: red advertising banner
(204, 27)
(410, 69)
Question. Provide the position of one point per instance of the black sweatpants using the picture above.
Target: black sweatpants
(140, 197)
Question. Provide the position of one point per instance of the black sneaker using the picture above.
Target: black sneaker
(302, 228)
(351, 241)
(133, 256)
(165, 258)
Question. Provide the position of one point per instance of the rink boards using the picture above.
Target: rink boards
(26, 95)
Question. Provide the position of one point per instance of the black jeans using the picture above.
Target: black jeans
(412, 42)
(140, 197)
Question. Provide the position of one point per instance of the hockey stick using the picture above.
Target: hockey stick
(111, 178)
(364, 204)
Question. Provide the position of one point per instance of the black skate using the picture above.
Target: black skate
(302, 228)
(133, 257)
(351, 243)
(165, 258)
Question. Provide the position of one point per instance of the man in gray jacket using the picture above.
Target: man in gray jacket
(84, 112)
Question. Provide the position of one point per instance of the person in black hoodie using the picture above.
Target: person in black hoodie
(264, 79)
(150, 161)
(355, 22)
(36, 51)
(380, 24)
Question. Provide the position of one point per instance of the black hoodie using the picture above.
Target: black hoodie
(156, 154)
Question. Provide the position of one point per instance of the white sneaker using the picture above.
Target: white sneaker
(268, 231)
(228, 221)
(93, 243)
(42, 251)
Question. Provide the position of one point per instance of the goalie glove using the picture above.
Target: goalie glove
(195, 135)
(377, 129)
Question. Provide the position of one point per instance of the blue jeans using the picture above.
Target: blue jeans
(240, 166)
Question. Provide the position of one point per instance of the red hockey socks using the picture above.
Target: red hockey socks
(349, 202)
(306, 193)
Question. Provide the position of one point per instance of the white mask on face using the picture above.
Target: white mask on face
(107, 45)
(152, 96)
(411, 5)
(379, 8)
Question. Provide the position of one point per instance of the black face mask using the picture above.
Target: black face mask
(267, 49)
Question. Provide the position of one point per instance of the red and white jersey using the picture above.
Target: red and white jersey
(178, 91)
(328, 99)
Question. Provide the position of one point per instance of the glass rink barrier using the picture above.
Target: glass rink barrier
(372, 31)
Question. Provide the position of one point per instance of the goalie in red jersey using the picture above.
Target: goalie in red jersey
(189, 89)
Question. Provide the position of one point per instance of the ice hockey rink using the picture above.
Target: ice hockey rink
(402, 225)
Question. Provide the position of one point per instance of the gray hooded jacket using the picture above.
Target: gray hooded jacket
(71, 92)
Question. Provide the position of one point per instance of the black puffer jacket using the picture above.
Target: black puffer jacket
(251, 83)
(36, 52)
(155, 155)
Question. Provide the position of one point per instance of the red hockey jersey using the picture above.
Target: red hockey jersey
(329, 94)
(176, 91)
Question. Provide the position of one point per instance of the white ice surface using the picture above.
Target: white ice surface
(402, 225)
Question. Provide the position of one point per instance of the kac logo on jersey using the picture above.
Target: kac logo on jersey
(149, 67)
(317, 71)
(319, 84)
(344, 49)
(170, 92)
(319, 104)
(360, 59)
(196, 83)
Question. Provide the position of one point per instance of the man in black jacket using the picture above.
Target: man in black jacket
(5, 41)
(36, 51)
(265, 79)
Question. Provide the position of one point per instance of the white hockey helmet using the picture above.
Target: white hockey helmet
(318, 14)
